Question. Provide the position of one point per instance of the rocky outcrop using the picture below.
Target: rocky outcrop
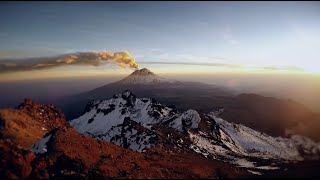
(29, 122)
(69, 154)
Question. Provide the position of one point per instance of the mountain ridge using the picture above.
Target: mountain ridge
(107, 120)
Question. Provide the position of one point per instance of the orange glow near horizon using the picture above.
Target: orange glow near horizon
(70, 72)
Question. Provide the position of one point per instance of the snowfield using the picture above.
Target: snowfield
(40, 147)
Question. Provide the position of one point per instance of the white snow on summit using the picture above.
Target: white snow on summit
(109, 113)
(105, 119)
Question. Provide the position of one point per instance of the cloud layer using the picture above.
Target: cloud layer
(123, 59)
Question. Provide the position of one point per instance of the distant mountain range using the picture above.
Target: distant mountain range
(273, 116)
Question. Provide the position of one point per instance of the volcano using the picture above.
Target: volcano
(144, 76)
(145, 83)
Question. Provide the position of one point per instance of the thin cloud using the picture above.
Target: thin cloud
(283, 68)
(160, 55)
(31, 52)
(195, 64)
(234, 66)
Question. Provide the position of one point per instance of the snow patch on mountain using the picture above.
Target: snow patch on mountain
(204, 145)
(130, 135)
(40, 147)
(188, 119)
(246, 141)
(243, 146)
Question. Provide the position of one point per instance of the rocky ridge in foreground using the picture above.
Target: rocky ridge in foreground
(66, 153)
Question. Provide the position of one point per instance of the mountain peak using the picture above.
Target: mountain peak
(127, 95)
(142, 72)
(143, 76)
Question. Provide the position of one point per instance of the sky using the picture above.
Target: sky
(167, 37)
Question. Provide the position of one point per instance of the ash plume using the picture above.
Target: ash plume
(123, 59)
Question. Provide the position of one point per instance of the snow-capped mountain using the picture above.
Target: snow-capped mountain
(141, 123)
(101, 116)
(237, 139)
(112, 120)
